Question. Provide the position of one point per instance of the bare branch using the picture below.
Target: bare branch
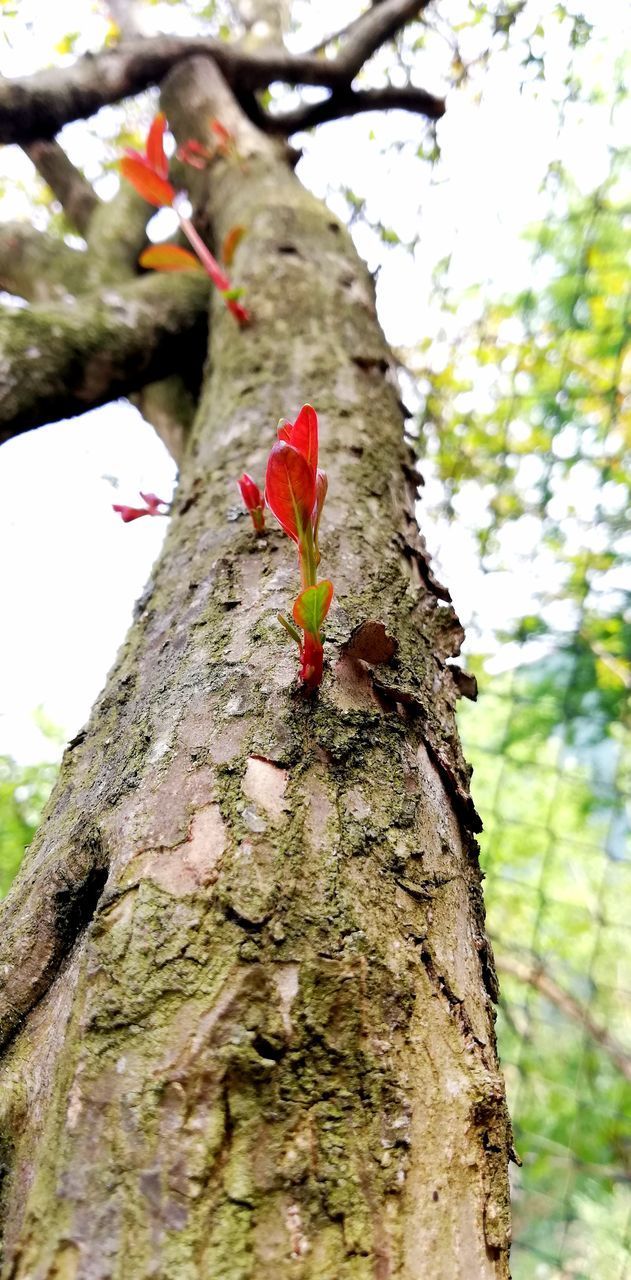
(126, 16)
(74, 193)
(264, 20)
(37, 106)
(351, 102)
(342, 33)
(534, 974)
(56, 362)
(169, 405)
(372, 29)
(38, 266)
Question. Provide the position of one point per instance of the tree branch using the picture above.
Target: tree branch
(116, 236)
(37, 106)
(74, 193)
(534, 974)
(38, 266)
(372, 29)
(351, 102)
(126, 16)
(56, 362)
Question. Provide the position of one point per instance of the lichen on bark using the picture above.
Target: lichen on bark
(270, 1050)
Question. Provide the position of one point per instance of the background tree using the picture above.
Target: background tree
(539, 436)
(246, 1003)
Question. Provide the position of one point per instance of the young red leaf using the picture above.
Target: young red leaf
(250, 492)
(152, 508)
(290, 489)
(170, 257)
(155, 146)
(223, 135)
(231, 240)
(194, 153)
(154, 502)
(312, 605)
(322, 485)
(128, 514)
(253, 500)
(154, 189)
(303, 435)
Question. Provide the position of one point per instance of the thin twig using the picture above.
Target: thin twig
(351, 102)
(533, 973)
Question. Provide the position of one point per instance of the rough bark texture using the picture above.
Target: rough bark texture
(37, 266)
(247, 1001)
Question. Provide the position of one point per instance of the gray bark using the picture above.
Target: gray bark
(247, 996)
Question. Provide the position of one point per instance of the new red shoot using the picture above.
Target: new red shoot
(152, 507)
(253, 500)
(149, 174)
(295, 491)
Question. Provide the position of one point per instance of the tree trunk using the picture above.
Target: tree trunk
(247, 996)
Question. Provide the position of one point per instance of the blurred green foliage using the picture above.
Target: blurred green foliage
(24, 790)
(558, 891)
(527, 406)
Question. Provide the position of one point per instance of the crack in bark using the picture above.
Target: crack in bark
(454, 1002)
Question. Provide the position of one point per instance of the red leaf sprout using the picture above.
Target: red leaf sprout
(290, 491)
(253, 500)
(151, 508)
(148, 173)
(195, 154)
(156, 157)
(295, 491)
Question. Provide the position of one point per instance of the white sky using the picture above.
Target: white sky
(70, 571)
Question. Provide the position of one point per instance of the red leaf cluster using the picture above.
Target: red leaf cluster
(151, 508)
(148, 173)
(295, 491)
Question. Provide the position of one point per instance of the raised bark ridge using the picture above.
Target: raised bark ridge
(247, 994)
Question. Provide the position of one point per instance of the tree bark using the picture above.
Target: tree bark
(247, 1001)
(61, 361)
